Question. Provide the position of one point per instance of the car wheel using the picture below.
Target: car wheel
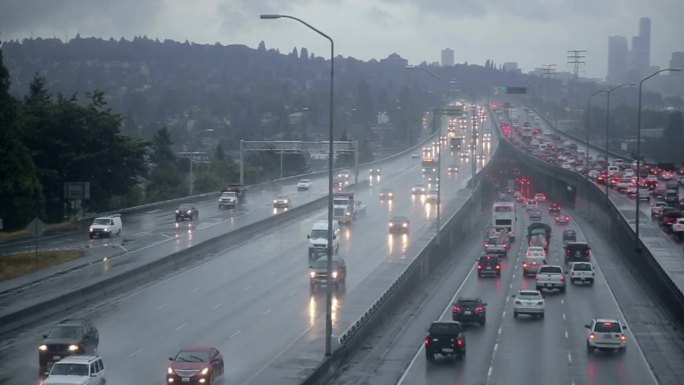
(515, 314)
(429, 355)
(498, 274)
(572, 281)
(622, 350)
(483, 322)
(541, 315)
(91, 237)
(479, 275)
(590, 349)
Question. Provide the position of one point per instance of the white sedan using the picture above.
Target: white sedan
(304, 184)
(529, 302)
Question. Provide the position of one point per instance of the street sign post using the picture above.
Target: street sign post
(36, 228)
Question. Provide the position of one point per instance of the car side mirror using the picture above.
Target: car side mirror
(624, 327)
(484, 304)
(308, 236)
(587, 326)
(93, 374)
(44, 336)
(170, 358)
(512, 295)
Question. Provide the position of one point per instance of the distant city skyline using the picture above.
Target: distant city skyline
(529, 33)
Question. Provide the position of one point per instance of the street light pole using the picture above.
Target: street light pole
(608, 126)
(587, 141)
(328, 307)
(638, 157)
(439, 151)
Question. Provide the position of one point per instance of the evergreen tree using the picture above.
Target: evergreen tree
(20, 189)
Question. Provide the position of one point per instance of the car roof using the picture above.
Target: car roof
(529, 292)
(399, 218)
(467, 299)
(599, 320)
(78, 359)
(196, 348)
(74, 321)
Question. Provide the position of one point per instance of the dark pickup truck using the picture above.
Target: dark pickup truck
(445, 338)
(539, 234)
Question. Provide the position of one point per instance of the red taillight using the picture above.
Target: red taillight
(457, 309)
(562, 278)
(608, 324)
(459, 342)
(479, 266)
(479, 309)
(427, 341)
(498, 267)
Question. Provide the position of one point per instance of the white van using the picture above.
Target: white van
(613, 170)
(318, 239)
(106, 226)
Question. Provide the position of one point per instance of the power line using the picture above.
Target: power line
(576, 58)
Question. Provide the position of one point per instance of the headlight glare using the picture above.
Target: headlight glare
(312, 274)
(42, 348)
(334, 274)
(204, 371)
(73, 348)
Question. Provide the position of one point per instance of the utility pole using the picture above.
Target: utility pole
(548, 71)
(576, 59)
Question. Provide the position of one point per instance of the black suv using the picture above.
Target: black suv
(488, 265)
(577, 252)
(445, 338)
(186, 211)
(69, 337)
(470, 309)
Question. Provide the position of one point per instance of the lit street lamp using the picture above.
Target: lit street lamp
(608, 125)
(638, 156)
(328, 305)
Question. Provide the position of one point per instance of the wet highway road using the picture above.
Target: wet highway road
(514, 351)
(251, 301)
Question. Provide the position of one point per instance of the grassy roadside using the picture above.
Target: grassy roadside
(7, 236)
(16, 265)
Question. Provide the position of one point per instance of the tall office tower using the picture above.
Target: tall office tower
(645, 35)
(640, 55)
(447, 57)
(617, 59)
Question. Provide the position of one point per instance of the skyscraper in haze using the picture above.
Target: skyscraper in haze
(447, 57)
(640, 55)
(617, 59)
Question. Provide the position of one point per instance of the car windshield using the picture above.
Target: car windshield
(65, 332)
(578, 247)
(228, 195)
(527, 295)
(581, 267)
(282, 197)
(398, 220)
(322, 263)
(467, 303)
(192, 356)
(607, 327)
(64, 369)
(319, 233)
(551, 270)
(102, 221)
(184, 207)
(304, 181)
(445, 328)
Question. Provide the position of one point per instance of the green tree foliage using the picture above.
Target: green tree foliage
(20, 189)
(166, 180)
(74, 143)
(671, 145)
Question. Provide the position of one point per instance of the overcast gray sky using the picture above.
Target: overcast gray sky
(530, 32)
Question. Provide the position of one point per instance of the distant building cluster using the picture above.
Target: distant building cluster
(627, 64)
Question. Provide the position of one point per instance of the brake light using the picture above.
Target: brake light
(479, 266)
(457, 309)
(562, 278)
(525, 264)
(459, 342)
(498, 267)
(608, 324)
(479, 309)
(427, 341)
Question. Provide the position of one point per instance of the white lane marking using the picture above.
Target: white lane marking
(563, 316)
(180, 327)
(489, 372)
(510, 286)
(507, 298)
(503, 315)
(123, 248)
(496, 346)
(197, 288)
(237, 333)
(562, 301)
(500, 329)
(566, 335)
(218, 305)
(266, 312)
(422, 346)
(165, 236)
(569, 358)
(135, 352)
(160, 307)
(293, 293)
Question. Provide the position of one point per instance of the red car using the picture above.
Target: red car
(562, 219)
(195, 365)
(554, 208)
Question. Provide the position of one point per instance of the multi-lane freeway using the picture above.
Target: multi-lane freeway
(251, 300)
